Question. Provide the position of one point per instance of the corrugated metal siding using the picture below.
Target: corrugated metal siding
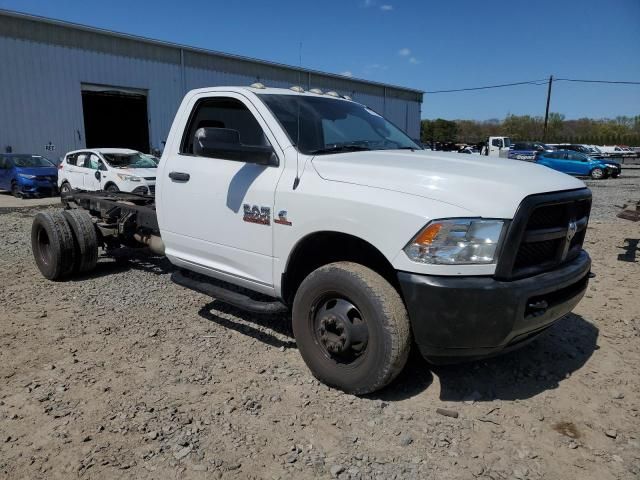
(41, 93)
(45, 65)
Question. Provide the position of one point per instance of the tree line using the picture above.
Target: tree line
(618, 131)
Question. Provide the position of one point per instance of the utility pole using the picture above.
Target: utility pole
(546, 113)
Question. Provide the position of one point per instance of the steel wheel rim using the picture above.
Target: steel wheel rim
(597, 173)
(339, 329)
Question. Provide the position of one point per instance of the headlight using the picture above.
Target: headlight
(26, 175)
(611, 165)
(128, 178)
(456, 242)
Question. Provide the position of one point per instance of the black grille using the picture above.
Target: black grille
(541, 233)
(536, 253)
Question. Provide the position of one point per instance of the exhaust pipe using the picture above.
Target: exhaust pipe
(154, 242)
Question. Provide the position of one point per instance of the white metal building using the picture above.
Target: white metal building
(65, 86)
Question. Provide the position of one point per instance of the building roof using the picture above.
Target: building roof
(187, 48)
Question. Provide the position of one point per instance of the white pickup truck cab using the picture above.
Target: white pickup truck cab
(496, 147)
(109, 169)
(373, 243)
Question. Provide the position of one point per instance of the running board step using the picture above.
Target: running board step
(231, 297)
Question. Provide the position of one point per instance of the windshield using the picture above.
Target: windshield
(331, 126)
(129, 160)
(31, 161)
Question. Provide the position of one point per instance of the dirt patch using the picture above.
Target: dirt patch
(122, 374)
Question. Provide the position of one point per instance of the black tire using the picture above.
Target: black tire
(52, 245)
(615, 175)
(112, 188)
(65, 188)
(85, 239)
(598, 174)
(366, 366)
(15, 190)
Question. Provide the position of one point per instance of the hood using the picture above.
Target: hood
(485, 186)
(138, 172)
(38, 171)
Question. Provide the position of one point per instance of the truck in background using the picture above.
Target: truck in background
(496, 147)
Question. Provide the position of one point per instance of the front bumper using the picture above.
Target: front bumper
(36, 187)
(456, 318)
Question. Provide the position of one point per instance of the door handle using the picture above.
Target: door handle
(179, 176)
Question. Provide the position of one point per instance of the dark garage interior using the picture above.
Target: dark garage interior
(115, 119)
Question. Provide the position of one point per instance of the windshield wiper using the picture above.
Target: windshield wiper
(340, 148)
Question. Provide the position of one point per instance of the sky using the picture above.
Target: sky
(427, 45)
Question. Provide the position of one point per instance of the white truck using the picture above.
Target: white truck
(496, 147)
(316, 204)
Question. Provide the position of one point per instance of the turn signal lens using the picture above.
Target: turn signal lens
(427, 235)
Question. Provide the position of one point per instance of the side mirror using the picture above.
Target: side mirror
(225, 143)
(97, 175)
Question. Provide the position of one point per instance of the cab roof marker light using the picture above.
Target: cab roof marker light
(297, 88)
(258, 85)
(317, 91)
(332, 93)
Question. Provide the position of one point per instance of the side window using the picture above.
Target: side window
(92, 162)
(71, 159)
(223, 113)
(3, 163)
(496, 142)
(81, 159)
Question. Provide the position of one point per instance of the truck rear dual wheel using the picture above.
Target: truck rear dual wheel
(85, 239)
(64, 243)
(53, 246)
(351, 327)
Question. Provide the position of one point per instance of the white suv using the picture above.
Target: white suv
(109, 169)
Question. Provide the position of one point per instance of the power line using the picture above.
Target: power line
(597, 81)
(529, 82)
(533, 82)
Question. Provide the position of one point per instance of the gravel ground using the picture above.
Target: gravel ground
(124, 374)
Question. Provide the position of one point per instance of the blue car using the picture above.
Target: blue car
(579, 164)
(27, 175)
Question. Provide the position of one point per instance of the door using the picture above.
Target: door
(494, 146)
(217, 213)
(92, 176)
(577, 163)
(79, 171)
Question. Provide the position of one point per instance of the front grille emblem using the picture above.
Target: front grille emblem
(572, 229)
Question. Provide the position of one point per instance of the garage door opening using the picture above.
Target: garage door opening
(115, 117)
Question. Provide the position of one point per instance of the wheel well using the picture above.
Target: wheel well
(109, 183)
(322, 248)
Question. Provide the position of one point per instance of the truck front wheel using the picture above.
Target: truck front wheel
(351, 327)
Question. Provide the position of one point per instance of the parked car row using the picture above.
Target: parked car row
(109, 169)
